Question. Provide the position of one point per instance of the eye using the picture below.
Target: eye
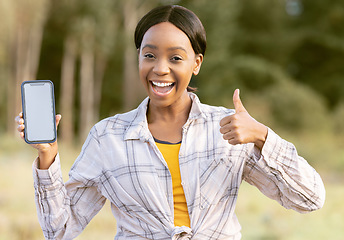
(176, 58)
(148, 55)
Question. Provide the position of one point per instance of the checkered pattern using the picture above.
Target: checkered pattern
(121, 162)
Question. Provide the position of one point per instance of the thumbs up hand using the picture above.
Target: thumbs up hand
(241, 128)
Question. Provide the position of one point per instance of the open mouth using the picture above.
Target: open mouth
(162, 88)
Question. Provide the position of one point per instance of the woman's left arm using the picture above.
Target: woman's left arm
(273, 164)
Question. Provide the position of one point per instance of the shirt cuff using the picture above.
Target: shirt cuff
(48, 176)
(272, 148)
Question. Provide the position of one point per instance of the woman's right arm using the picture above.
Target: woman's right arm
(46, 151)
(64, 209)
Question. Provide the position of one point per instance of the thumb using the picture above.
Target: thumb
(239, 107)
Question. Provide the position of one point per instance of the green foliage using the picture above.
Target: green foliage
(318, 62)
(297, 108)
(216, 79)
(289, 68)
(288, 64)
(339, 120)
(256, 73)
(286, 103)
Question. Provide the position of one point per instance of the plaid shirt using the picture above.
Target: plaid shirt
(121, 162)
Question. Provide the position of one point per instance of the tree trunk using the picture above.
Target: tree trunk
(100, 66)
(67, 95)
(87, 118)
(27, 38)
(133, 92)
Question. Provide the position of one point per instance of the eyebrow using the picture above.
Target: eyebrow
(149, 46)
(177, 48)
(170, 49)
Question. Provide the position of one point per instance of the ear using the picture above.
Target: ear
(198, 63)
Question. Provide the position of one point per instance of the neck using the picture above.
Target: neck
(176, 112)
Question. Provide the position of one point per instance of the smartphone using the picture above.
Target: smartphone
(38, 105)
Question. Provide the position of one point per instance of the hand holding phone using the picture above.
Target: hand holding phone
(45, 140)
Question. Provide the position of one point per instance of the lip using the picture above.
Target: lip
(160, 94)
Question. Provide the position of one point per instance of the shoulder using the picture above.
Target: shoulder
(119, 122)
(202, 110)
(212, 112)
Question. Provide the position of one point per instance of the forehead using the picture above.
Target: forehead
(166, 34)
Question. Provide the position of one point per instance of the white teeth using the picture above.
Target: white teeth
(160, 84)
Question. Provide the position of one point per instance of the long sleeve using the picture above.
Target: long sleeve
(120, 161)
(64, 210)
(281, 174)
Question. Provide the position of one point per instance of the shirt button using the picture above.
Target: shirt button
(183, 183)
(201, 207)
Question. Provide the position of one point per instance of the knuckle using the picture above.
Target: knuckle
(223, 122)
(227, 136)
(224, 129)
(241, 140)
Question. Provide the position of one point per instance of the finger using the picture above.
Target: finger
(233, 138)
(239, 107)
(17, 118)
(227, 128)
(20, 123)
(228, 135)
(226, 120)
(234, 141)
(20, 127)
(58, 119)
(21, 134)
(224, 129)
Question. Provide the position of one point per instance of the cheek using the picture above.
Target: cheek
(142, 70)
(143, 76)
(183, 79)
(186, 73)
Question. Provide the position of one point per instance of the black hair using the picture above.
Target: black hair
(179, 16)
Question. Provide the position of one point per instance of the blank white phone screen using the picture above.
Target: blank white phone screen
(39, 112)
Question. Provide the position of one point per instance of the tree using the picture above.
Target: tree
(24, 30)
(67, 88)
(132, 10)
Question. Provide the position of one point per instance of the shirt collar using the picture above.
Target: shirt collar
(196, 108)
(138, 127)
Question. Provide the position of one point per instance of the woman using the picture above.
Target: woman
(172, 167)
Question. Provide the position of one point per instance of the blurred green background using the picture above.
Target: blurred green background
(286, 56)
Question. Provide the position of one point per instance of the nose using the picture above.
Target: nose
(161, 67)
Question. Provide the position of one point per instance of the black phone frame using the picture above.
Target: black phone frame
(24, 114)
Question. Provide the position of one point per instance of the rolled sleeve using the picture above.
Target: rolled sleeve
(49, 176)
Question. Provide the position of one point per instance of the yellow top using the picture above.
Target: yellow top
(170, 153)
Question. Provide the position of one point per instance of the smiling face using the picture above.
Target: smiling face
(166, 64)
